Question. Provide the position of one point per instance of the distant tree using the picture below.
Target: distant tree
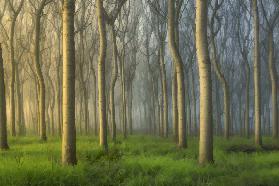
(15, 12)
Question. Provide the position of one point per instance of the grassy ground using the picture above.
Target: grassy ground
(140, 160)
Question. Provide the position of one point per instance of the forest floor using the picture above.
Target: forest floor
(139, 160)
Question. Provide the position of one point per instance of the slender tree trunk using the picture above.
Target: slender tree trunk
(225, 87)
(206, 129)
(58, 92)
(164, 90)
(69, 129)
(195, 123)
(40, 77)
(123, 89)
(112, 86)
(182, 143)
(101, 75)
(95, 123)
(12, 86)
(257, 74)
(273, 78)
(247, 100)
(174, 104)
(3, 115)
(18, 109)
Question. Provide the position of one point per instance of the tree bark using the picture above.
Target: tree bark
(101, 75)
(174, 105)
(41, 81)
(112, 86)
(206, 129)
(273, 78)
(182, 143)
(69, 130)
(3, 115)
(257, 74)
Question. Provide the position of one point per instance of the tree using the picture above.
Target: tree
(15, 13)
(179, 75)
(206, 129)
(39, 73)
(3, 115)
(69, 130)
(217, 67)
(271, 23)
(101, 75)
(257, 74)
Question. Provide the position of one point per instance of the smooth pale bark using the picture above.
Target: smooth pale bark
(41, 81)
(101, 75)
(273, 78)
(69, 129)
(12, 58)
(182, 143)
(3, 115)
(114, 75)
(206, 128)
(123, 93)
(257, 74)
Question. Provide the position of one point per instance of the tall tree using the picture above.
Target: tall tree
(217, 67)
(101, 75)
(206, 128)
(257, 73)
(69, 130)
(179, 75)
(271, 22)
(3, 115)
(15, 13)
(39, 73)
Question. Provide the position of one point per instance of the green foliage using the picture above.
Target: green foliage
(140, 160)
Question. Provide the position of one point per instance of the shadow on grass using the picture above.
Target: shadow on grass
(251, 148)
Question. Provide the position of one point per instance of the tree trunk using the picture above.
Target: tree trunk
(18, 109)
(164, 89)
(174, 104)
(273, 78)
(101, 75)
(225, 87)
(206, 129)
(12, 86)
(179, 75)
(69, 130)
(3, 115)
(95, 123)
(247, 100)
(257, 74)
(40, 77)
(112, 86)
(195, 123)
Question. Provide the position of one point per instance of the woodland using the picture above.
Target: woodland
(139, 92)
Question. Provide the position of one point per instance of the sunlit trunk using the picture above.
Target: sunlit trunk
(206, 128)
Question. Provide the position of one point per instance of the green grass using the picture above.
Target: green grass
(140, 160)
